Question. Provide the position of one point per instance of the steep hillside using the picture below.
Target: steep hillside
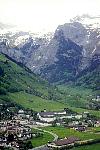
(61, 58)
(25, 47)
(90, 77)
(68, 59)
(20, 85)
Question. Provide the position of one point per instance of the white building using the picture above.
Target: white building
(51, 116)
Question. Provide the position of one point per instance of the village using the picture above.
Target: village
(16, 131)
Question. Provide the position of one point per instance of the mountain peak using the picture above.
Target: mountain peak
(87, 20)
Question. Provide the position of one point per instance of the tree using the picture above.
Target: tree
(10, 137)
(3, 91)
(29, 145)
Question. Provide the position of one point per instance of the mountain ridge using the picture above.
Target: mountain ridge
(40, 54)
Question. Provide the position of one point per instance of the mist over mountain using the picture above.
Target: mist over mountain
(49, 74)
(61, 56)
(5, 26)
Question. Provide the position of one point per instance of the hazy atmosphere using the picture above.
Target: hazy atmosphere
(44, 15)
(49, 74)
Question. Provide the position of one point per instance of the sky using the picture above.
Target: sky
(45, 15)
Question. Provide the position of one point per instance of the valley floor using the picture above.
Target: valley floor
(63, 132)
(88, 147)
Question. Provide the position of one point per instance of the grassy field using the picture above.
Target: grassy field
(42, 140)
(65, 132)
(75, 96)
(88, 147)
(73, 90)
(20, 85)
(35, 103)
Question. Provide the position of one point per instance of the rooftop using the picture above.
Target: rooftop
(66, 141)
(51, 113)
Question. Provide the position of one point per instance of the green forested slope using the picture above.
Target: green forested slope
(20, 85)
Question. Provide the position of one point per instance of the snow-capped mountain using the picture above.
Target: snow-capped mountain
(62, 55)
(21, 45)
(88, 21)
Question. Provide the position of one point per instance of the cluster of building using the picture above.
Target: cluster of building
(11, 132)
(97, 99)
(83, 124)
(76, 121)
(52, 116)
(18, 129)
(94, 103)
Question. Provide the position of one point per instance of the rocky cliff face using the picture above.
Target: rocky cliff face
(84, 35)
(67, 60)
(27, 48)
(61, 57)
(90, 76)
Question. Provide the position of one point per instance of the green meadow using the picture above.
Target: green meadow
(88, 147)
(63, 132)
(34, 102)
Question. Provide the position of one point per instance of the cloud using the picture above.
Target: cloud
(44, 14)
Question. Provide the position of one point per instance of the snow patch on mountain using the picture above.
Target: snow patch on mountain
(88, 21)
(21, 40)
(94, 49)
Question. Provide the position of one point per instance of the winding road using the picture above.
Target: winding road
(44, 147)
